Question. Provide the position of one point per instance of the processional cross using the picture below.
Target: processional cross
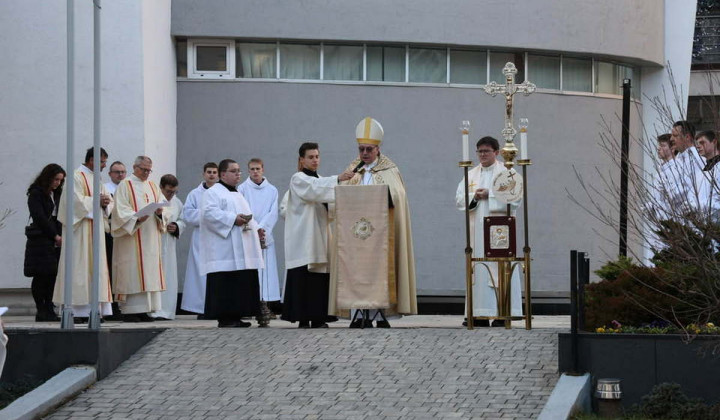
(509, 89)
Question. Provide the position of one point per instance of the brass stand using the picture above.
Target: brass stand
(506, 266)
(468, 249)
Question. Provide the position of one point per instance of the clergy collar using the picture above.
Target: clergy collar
(228, 186)
(308, 172)
(204, 185)
(251, 182)
(85, 169)
(711, 162)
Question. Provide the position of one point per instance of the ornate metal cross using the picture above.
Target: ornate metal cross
(508, 90)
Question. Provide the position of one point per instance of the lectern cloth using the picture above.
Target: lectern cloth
(362, 246)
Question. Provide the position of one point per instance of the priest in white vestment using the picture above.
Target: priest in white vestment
(193, 299)
(483, 203)
(263, 199)
(230, 253)
(137, 244)
(117, 173)
(175, 228)
(707, 145)
(374, 168)
(83, 241)
(306, 291)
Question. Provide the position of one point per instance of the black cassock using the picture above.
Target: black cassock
(231, 295)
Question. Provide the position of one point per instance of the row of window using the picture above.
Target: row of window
(230, 59)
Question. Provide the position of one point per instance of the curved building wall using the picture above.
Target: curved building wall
(621, 29)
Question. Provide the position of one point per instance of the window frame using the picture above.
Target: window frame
(194, 73)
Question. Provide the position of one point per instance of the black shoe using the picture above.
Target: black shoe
(498, 323)
(44, 316)
(319, 324)
(160, 318)
(382, 324)
(304, 324)
(80, 320)
(226, 324)
(358, 323)
(113, 317)
(242, 324)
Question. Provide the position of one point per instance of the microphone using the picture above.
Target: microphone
(359, 165)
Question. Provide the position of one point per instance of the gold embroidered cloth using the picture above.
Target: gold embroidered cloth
(362, 237)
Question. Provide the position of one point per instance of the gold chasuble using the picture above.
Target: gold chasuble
(137, 247)
(82, 244)
(402, 289)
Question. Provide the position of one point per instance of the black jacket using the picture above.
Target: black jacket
(41, 255)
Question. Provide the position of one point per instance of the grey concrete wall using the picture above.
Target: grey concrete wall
(624, 29)
(270, 120)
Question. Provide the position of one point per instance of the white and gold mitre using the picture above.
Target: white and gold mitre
(369, 131)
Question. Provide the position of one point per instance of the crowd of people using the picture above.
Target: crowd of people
(687, 180)
(231, 264)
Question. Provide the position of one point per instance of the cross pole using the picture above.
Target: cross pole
(509, 89)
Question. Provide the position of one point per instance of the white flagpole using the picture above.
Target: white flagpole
(98, 226)
(67, 315)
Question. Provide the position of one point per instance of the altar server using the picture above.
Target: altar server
(306, 241)
(230, 251)
(263, 199)
(193, 299)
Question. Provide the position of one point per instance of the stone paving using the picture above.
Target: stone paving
(337, 373)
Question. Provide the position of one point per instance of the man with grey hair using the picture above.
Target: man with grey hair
(136, 265)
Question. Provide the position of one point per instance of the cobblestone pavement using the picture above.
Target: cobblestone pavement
(337, 373)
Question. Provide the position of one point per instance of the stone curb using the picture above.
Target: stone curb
(51, 394)
(572, 394)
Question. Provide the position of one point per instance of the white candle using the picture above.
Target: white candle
(465, 144)
(523, 138)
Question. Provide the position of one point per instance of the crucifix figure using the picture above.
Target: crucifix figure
(508, 90)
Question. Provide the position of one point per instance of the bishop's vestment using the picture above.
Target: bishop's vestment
(403, 296)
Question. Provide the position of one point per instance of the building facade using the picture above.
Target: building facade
(190, 82)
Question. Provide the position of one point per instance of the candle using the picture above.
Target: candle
(465, 145)
(523, 138)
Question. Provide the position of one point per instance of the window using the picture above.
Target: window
(576, 74)
(544, 71)
(386, 64)
(256, 61)
(498, 61)
(468, 67)
(342, 62)
(427, 65)
(627, 72)
(211, 59)
(299, 61)
(607, 78)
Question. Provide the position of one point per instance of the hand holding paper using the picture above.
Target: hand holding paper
(150, 209)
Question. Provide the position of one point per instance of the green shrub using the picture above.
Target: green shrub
(667, 401)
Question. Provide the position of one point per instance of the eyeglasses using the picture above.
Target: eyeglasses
(484, 151)
(234, 171)
(144, 170)
(366, 149)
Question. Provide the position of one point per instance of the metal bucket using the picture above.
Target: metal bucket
(608, 389)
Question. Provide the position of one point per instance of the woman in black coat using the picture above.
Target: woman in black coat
(42, 251)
